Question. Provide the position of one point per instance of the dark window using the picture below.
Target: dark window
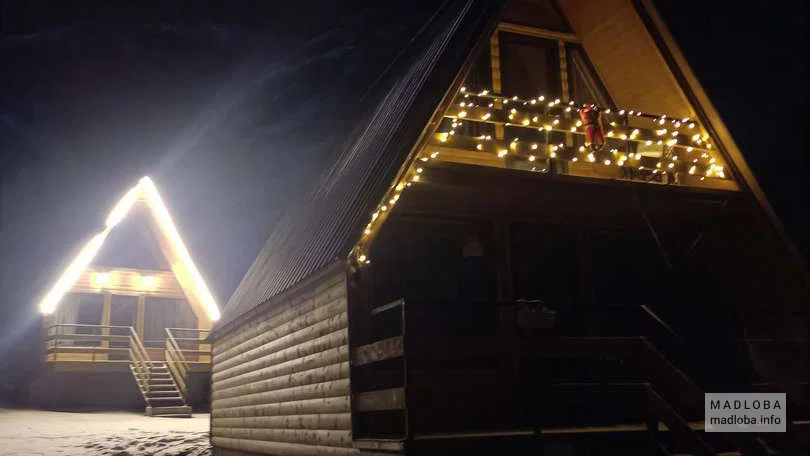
(89, 313)
(123, 310)
(162, 313)
(584, 84)
(529, 66)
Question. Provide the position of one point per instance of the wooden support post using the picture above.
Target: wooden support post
(105, 321)
(495, 68)
(140, 314)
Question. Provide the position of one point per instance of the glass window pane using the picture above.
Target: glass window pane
(585, 86)
(529, 66)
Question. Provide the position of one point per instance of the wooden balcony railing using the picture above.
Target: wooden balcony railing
(107, 343)
(547, 136)
(73, 342)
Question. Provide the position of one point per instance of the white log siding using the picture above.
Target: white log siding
(280, 382)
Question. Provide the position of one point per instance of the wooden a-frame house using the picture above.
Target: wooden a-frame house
(137, 333)
(539, 238)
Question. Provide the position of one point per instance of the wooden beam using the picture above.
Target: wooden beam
(378, 351)
(105, 320)
(388, 399)
(140, 315)
(537, 32)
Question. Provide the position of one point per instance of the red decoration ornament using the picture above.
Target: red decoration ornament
(592, 124)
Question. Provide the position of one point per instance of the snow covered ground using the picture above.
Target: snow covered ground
(34, 432)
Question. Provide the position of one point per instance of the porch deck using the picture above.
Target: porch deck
(161, 370)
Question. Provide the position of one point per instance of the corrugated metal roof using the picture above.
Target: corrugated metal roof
(325, 225)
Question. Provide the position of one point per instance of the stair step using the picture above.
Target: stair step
(166, 398)
(178, 411)
(162, 393)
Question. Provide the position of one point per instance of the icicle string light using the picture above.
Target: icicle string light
(681, 149)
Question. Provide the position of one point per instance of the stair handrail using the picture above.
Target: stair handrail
(675, 423)
(692, 395)
(139, 358)
(176, 362)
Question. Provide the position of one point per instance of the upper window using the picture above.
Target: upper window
(529, 66)
(584, 85)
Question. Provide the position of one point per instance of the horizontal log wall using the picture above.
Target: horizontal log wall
(280, 382)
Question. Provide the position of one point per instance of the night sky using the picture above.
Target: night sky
(233, 107)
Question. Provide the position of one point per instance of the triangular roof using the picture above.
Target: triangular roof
(325, 226)
(183, 267)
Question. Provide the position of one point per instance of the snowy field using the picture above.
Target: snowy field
(32, 432)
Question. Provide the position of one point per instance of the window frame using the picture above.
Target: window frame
(564, 42)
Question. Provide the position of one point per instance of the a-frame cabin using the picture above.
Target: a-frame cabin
(539, 239)
(125, 324)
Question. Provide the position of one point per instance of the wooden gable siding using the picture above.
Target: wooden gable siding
(625, 56)
(124, 281)
(280, 382)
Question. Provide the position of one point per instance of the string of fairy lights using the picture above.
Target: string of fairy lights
(643, 146)
(680, 147)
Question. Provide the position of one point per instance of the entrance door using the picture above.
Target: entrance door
(122, 313)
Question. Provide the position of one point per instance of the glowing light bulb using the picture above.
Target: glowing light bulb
(148, 282)
(100, 279)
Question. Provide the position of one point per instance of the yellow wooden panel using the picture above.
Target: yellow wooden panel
(625, 56)
(127, 282)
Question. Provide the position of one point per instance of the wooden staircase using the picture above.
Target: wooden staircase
(156, 382)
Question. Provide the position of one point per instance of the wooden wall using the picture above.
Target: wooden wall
(280, 382)
(625, 56)
(126, 282)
